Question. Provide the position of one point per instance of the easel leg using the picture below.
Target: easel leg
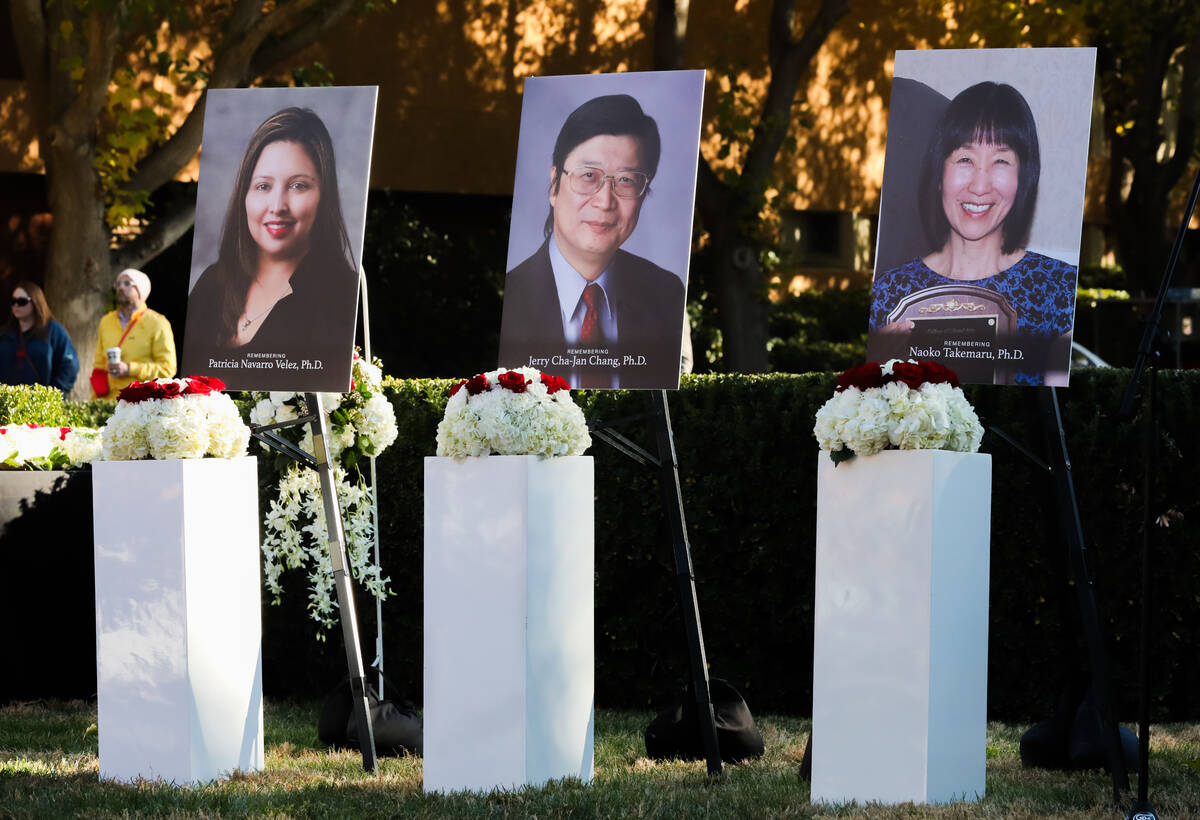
(1060, 462)
(672, 502)
(341, 580)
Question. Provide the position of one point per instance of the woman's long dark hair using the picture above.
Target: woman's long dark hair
(41, 310)
(237, 260)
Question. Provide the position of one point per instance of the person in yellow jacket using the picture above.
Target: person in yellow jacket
(144, 337)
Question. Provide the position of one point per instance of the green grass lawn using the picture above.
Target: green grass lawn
(48, 769)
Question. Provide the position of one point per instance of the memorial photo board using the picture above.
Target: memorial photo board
(981, 212)
(602, 227)
(280, 218)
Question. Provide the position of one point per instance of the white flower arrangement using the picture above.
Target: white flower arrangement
(902, 405)
(34, 447)
(174, 418)
(362, 423)
(512, 412)
(296, 537)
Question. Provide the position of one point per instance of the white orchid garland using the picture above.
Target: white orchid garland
(296, 538)
(362, 423)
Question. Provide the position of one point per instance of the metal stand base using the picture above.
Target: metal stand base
(1059, 467)
(659, 412)
(319, 460)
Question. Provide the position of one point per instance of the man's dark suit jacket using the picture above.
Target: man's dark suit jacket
(649, 307)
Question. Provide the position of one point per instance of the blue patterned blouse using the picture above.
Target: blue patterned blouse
(1041, 290)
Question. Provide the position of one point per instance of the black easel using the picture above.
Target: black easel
(1059, 467)
(319, 460)
(1141, 808)
(659, 413)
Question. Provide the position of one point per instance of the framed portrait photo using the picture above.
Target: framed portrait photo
(981, 212)
(280, 217)
(602, 227)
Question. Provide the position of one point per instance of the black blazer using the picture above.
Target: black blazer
(649, 306)
(314, 323)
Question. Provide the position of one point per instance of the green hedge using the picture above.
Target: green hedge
(747, 460)
(32, 404)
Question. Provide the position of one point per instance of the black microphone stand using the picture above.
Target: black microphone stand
(1142, 809)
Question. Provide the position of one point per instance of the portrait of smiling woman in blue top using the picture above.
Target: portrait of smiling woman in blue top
(34, 348)
(977, 194)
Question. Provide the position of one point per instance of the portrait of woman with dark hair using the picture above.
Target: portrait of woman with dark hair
(284, 281)
(977, 195)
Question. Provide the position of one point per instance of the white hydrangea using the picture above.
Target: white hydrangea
(504, 422)
(372, 421)
(863, 422)
(190, 425)
(82, 445)
(853, 419)
(24, 445)
(34, 447)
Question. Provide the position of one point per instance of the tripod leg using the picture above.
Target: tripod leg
(1085, 594)
(672, 501)
(341, 580)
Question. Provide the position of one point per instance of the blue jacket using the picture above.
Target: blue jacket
(50, 361)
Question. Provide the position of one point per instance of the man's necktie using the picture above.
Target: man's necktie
(592, 333)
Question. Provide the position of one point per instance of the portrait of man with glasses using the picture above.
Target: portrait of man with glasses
(581, 306)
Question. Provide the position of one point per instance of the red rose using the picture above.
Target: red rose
(910, 373)
(138, 391)
(938, 374)
(62, 433)
(477, 384)
(863, 377)
(514, 381)
(454, 388)
(169, 390)
(554, 383)
(203, 385)
(197, 386)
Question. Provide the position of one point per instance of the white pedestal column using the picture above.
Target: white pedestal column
(509, 621)
(178, 620)
(900, 647)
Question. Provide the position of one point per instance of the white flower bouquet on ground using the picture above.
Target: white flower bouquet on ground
(174, 418)
(34, 447)
(512, 412)
(899, 405)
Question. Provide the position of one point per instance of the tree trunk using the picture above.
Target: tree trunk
(77, 273)
(741, 301)
(1143, 239)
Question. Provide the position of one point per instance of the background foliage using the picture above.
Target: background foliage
(747, 461)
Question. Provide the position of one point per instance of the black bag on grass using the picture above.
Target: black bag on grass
(397, 728)
(676, 730)
(1073, 738)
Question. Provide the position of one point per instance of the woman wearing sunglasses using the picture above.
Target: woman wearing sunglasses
(34, 348)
